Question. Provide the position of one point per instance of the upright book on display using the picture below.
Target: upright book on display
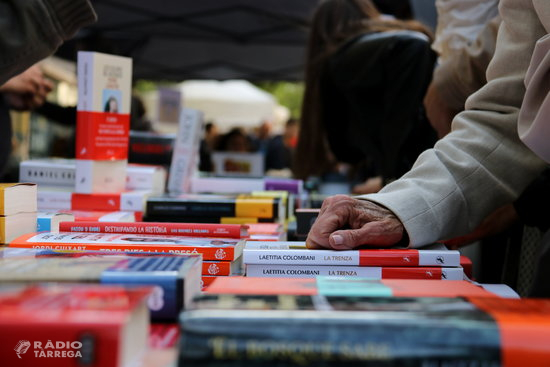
(103, 122)
(185, 157)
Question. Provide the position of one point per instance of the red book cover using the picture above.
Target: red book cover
(97, 201)
(69, 326)
(308, 286)
(220, 249)
(296, 253)
(169, 229)
(221, 268)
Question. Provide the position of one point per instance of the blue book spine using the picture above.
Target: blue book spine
(43, 224)
(162, 273)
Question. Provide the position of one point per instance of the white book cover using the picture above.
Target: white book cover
(134, 201)
(226, 185)
(185, 156)
(54, 198)
(97, 176)
(374, 272)
(49, 221)
(146, 177)
(238, 164)
(52, 171)
(61, 172)
(259, 252)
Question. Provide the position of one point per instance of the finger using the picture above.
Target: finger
(321, 230)
(385, 232)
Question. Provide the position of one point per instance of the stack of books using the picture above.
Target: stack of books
(60, 172)
(294, 260)
(221, 251)
(206, 208)
(175, 278)
(17, 210)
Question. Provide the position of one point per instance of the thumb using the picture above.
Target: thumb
(380, 233)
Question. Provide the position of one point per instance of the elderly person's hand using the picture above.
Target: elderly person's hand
(345, 223)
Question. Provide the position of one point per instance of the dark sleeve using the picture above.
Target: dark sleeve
(30, 30)
(533, 204)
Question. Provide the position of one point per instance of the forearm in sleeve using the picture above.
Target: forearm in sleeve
(481, 165)
(30, 30)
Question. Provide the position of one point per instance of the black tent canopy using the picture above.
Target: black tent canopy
(207, 39)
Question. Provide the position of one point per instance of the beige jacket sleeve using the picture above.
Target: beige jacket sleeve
(459, 76)
(30, 30)
(481, 164)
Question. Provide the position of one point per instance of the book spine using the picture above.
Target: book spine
(185, 152)
(59, 200)
(200, 219)
(208, 253)
(173, 229)
(133, 201)
(104, 202)
(138, 178)
(305, 271)
(300, 257)
(43, 224)
(225, 185)
(252, 338)
(47, 174)
(190, 209)
(216, 268)
(438, 258)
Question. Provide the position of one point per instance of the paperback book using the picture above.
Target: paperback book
(171, 229)
(185, 156)
(225, 249)
(49, 221)
(17, 198)
(374, 272)
(175, 279)
(215, 206)
(348, 286)
(73, 325)
(61, 172)
(291, 330)
(296, 253)
(103, 122)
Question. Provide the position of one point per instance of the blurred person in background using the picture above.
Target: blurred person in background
(366, 75)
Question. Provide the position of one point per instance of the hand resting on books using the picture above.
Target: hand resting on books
(345, 223)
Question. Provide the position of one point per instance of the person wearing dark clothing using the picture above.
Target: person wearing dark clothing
(366, 76)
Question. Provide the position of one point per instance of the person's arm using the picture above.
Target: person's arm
(30, 30)
(480, 166)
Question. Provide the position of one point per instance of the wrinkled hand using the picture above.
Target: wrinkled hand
(27, 90)
(498, 221)
(437, 111)
(368, 223)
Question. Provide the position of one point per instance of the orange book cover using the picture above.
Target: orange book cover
(524, 326)
(210, 248)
